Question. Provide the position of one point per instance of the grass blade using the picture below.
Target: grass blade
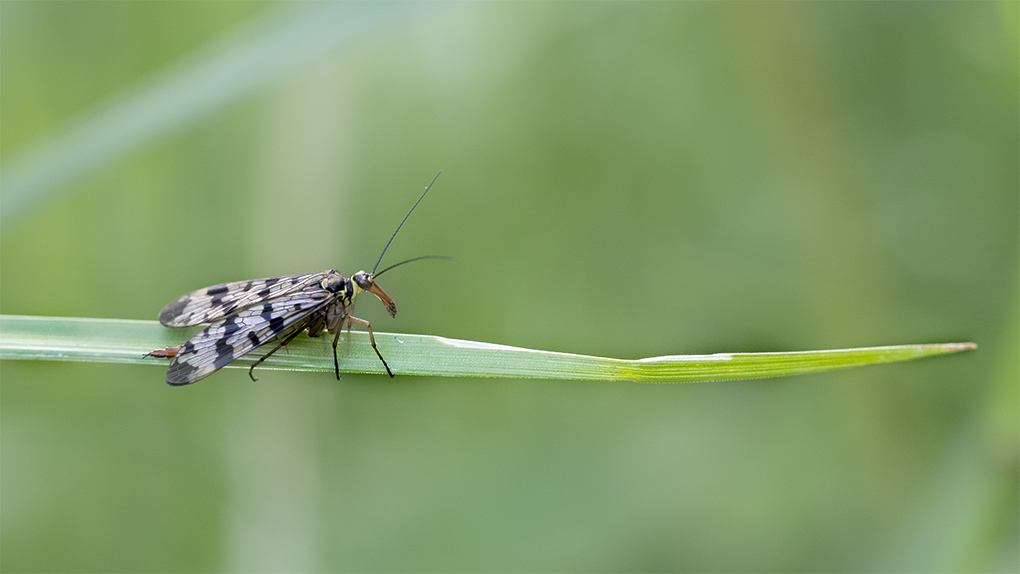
(128, 341)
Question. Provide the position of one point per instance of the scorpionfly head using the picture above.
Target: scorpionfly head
(366, 282)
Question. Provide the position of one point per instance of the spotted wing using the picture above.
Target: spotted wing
(212, 303)
(220, 343)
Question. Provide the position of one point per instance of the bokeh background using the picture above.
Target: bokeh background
(620, 179)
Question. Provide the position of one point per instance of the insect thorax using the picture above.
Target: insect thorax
(340, 285)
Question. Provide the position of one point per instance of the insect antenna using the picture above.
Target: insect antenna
(427, 188)
(446, 257)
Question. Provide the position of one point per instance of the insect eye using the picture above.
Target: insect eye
(364, 280)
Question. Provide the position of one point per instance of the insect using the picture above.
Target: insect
(246, 315)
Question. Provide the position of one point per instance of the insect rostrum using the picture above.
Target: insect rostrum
(246, 315)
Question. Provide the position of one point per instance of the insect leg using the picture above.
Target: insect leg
(336, 339)
(371, 338)
(287, 339)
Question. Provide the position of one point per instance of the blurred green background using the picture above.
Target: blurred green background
(620, 179)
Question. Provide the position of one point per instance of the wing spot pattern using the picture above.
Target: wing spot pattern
(230, 326)
(293, 304)
(224, 353)
(276, 324)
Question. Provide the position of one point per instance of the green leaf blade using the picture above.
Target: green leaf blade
(129, 341)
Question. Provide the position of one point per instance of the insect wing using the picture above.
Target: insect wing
(220, 343)
(213, 303)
